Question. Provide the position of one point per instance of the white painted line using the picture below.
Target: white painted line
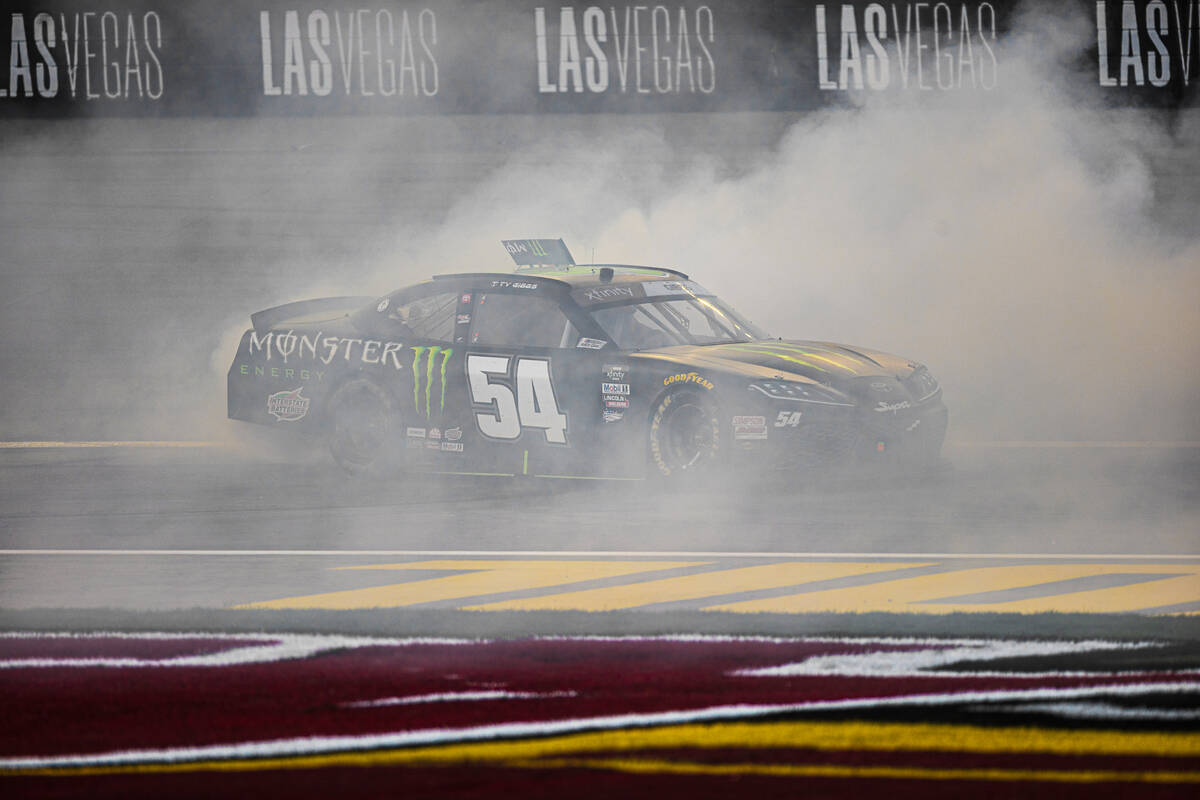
(1050, 444)
(455, 697)
(79, 445)
(1077, 445)
(1164, 557)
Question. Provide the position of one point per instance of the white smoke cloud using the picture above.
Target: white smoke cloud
(1011, 239)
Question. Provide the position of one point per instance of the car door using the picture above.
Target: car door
(536, 394)
(428, 392)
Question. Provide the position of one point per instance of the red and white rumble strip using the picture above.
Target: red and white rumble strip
(78, 700)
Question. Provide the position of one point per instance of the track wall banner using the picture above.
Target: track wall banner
(197, 58)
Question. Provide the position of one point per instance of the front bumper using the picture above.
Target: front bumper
(854, 437)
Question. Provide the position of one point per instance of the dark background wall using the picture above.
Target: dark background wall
(189, 58)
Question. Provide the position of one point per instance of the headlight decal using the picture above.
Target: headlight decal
(795, 393)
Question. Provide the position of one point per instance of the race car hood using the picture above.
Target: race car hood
(853, 373)
(819, 362)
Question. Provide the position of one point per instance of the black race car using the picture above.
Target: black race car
(563, 370)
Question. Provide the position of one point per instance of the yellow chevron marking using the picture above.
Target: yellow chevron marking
(819, 736)
(1184, 588)
(914, 594)
(486, 577)
(691, 587)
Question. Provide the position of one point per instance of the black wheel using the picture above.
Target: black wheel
(685, 434)
(362, 422)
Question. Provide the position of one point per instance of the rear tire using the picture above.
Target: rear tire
(362, 423)
(685, 435)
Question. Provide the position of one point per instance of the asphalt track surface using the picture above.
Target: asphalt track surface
(1020, 527)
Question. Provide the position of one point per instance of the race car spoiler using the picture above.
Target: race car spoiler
(267, 318)
(538, 252)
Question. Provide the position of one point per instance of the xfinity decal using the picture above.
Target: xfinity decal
(616, 372)
(603, 293)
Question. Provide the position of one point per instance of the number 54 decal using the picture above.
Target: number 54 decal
(529, 403)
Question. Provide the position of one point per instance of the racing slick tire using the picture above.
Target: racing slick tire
(685, 436)
(362, 421)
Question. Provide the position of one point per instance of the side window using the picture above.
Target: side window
(520, 321)
(429, 317)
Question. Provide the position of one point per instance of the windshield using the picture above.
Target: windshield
(663, 322)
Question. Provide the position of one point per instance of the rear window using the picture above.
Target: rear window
(430, 317)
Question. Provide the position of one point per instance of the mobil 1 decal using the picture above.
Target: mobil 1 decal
(614, 392)
(510, 394)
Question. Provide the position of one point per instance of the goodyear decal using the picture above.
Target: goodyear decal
(433, 354)
(688, 377)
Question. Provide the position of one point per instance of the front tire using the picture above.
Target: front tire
(685, 435)
(362, 423)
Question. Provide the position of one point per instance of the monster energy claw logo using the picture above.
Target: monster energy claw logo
(536, 247)
(434, 351)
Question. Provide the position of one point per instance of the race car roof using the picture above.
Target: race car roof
(583, 275)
